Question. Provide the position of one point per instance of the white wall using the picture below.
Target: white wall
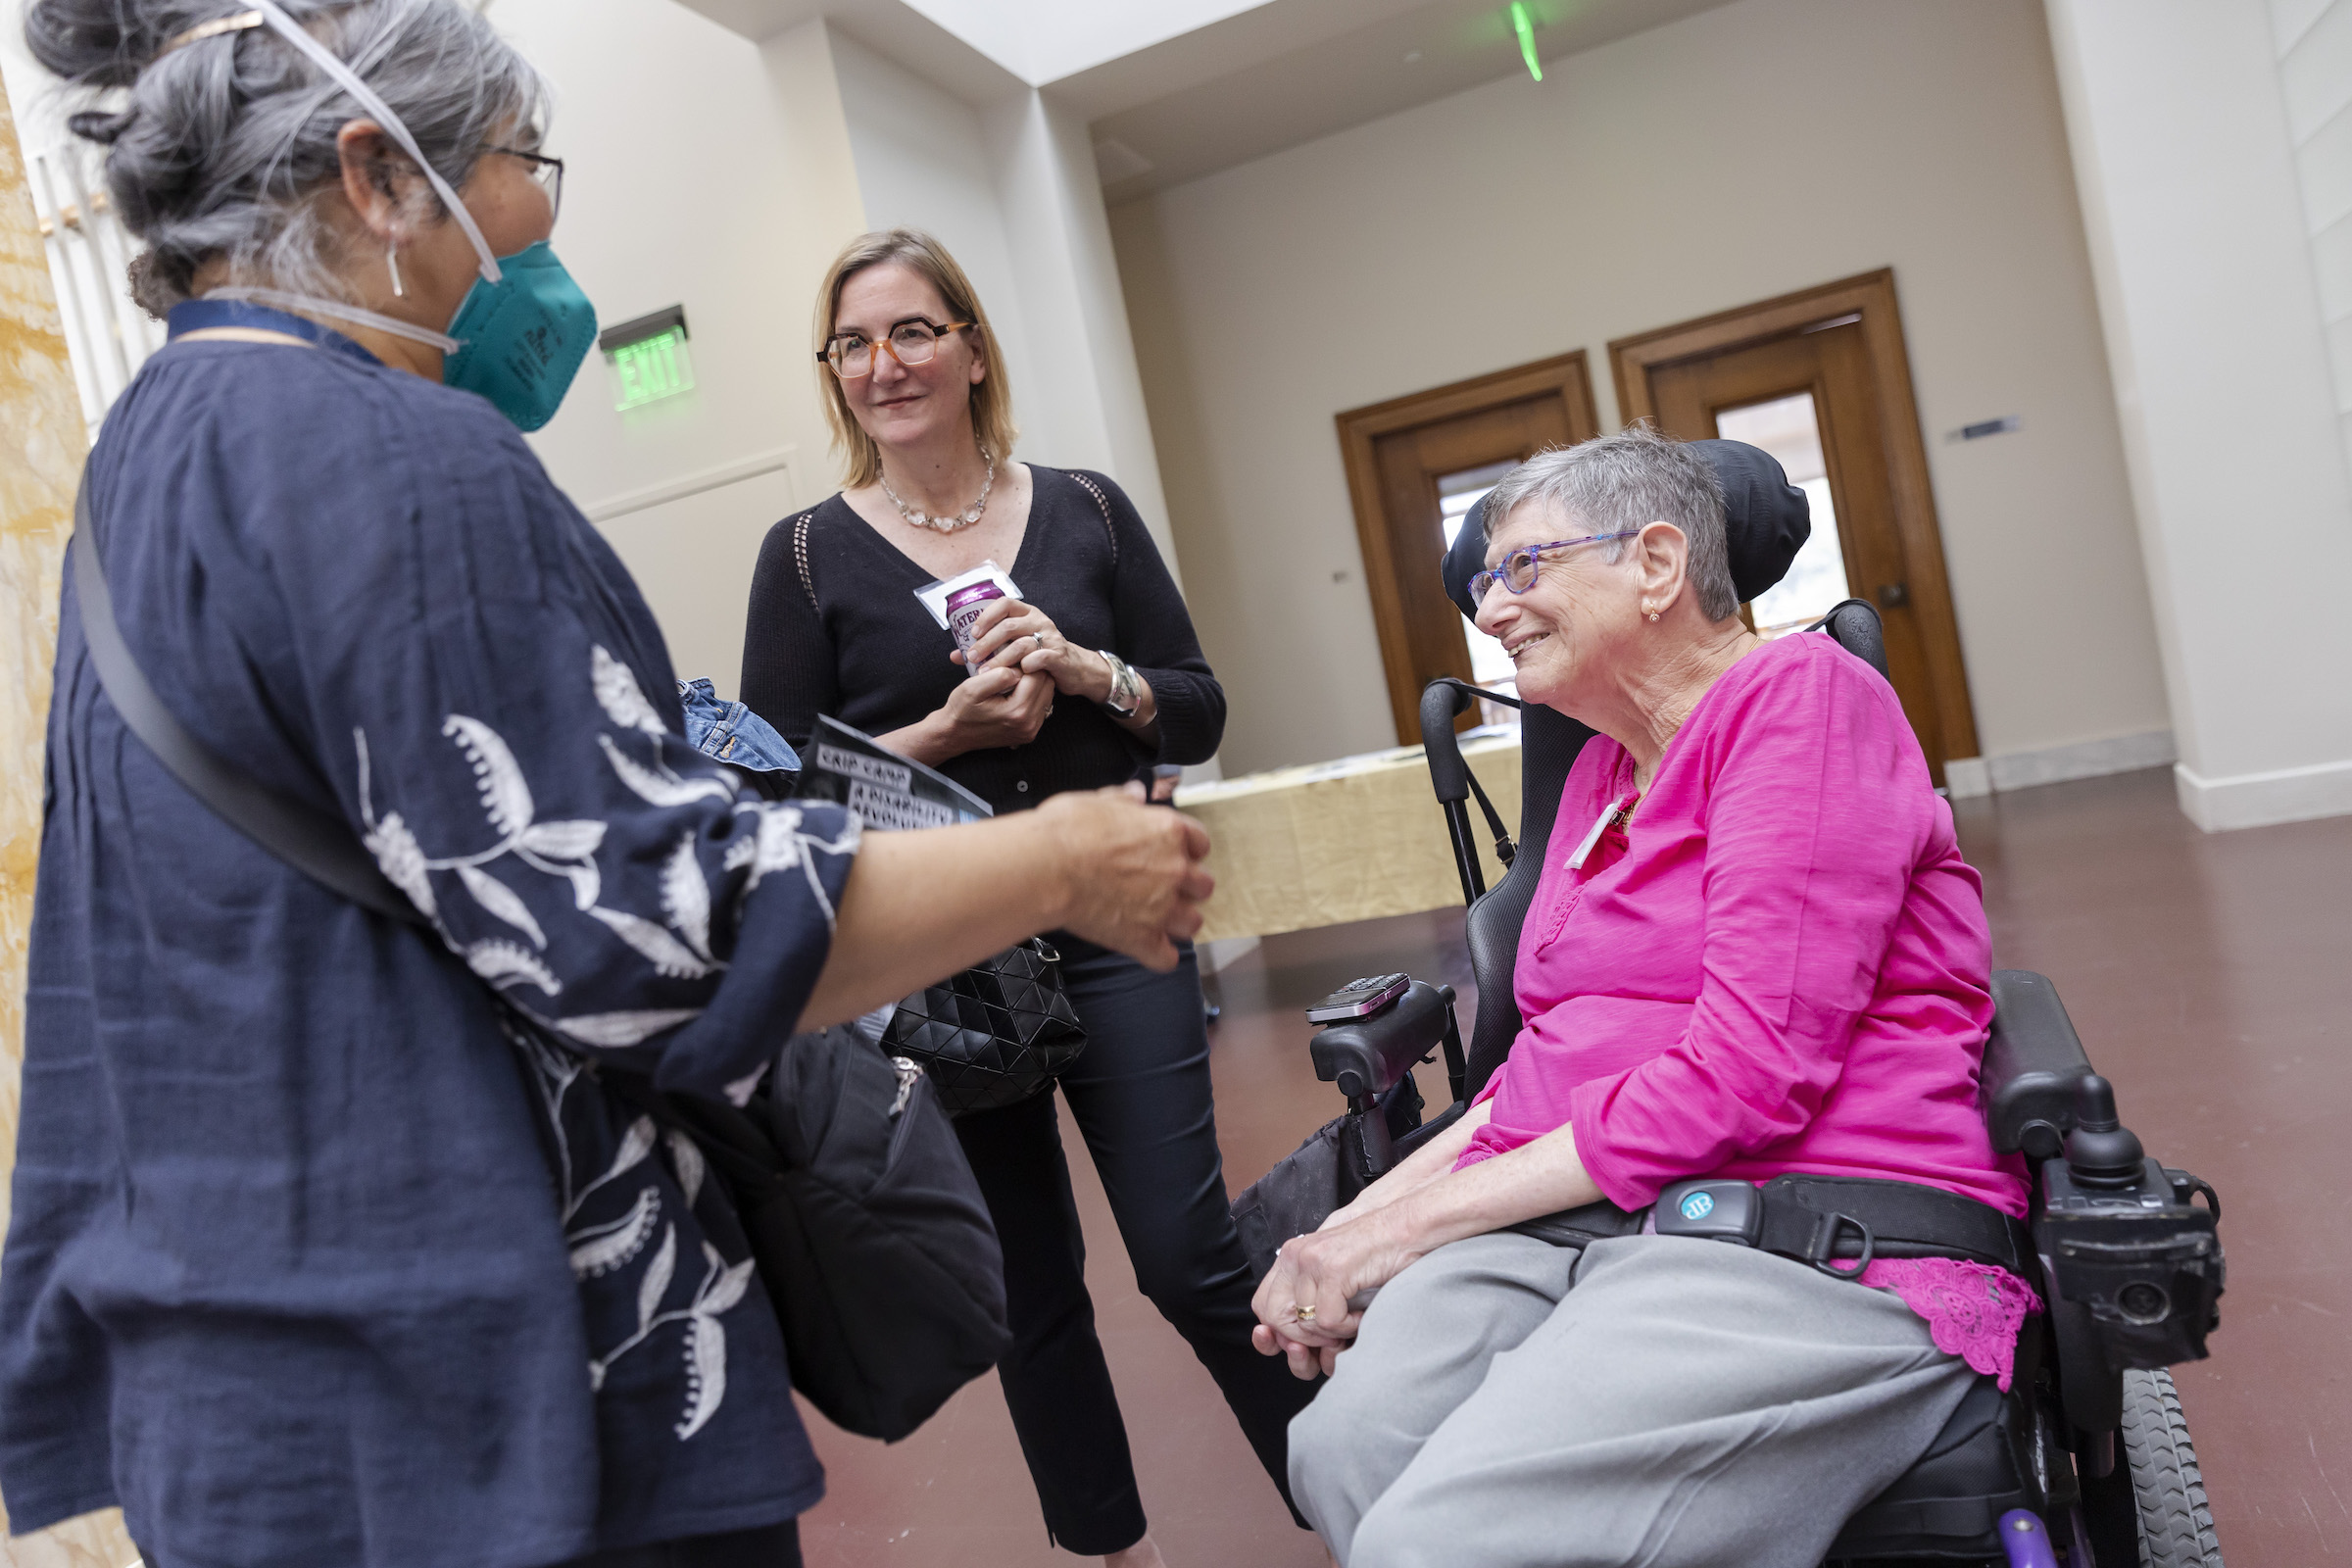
(709, 172)
(1735, 155)
(2314, 38)
(1010, 186)
(2184, 138)
(923, 161)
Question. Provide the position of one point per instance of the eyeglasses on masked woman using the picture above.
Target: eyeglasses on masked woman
(1517, 572)
(911, 342)
(548, 172)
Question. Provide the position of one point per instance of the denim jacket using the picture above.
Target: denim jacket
(733, 733)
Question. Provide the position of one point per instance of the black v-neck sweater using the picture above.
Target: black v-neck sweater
(851, 640)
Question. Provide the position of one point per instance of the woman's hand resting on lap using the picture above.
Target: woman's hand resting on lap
(1303, 1305)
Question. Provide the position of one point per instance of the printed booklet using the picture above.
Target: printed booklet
(887, 791)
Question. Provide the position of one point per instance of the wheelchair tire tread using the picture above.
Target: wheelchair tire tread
(2176, 1524)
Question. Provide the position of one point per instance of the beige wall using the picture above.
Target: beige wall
(1742, 153)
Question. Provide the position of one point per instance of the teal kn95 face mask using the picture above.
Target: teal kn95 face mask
(523, 330)
(521, 339)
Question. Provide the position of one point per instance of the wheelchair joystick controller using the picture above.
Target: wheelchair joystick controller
(2101, 1153)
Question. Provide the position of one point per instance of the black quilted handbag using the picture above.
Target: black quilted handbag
(995, 1034)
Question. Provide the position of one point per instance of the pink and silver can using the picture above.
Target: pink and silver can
(964, 605)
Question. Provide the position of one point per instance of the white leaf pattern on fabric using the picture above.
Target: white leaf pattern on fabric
(503, 963)
(504, 901)
(656, 1282)
(620, 697)
(656, 789)
(623, 1241)
(505, 798)
(725, 1291)
(706, 1373)
(668, 955)
(686, 899)
(633, 1148)
(564, 841)
(779, 841)
(586, 885)
(402, 860)
(738, 1093)
(611, 1222)
(615, 1030)
(687, 1161)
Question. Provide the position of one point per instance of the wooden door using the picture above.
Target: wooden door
(1825, 369)
(1413, 463)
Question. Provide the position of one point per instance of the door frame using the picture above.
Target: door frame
(1871, 296)
(1570, 375)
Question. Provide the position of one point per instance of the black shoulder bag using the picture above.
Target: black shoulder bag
(868, 1230)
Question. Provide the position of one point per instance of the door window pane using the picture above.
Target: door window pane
(1457, 493)
(1788, 428)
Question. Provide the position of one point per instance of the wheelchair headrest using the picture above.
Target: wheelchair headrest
(1766, 522)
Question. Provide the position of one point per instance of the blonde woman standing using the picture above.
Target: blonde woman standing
(1093, 674)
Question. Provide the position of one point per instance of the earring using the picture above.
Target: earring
(1654, 614)
(392, 260)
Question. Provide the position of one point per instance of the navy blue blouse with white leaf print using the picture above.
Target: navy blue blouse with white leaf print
(309, 1263)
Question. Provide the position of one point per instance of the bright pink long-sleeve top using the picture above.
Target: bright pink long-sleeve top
(1779, 963)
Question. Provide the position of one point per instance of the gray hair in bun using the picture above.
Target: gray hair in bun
(220, 147)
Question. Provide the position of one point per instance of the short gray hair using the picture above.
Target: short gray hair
(1621, 482)
(218, 148)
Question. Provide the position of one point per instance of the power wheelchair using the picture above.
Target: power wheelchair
(2087, 1460)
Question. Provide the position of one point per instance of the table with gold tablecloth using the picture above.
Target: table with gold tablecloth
(1354, 838)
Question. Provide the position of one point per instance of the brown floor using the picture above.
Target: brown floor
(2208, 976)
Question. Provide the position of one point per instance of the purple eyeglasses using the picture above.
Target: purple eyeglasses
(1518, 572)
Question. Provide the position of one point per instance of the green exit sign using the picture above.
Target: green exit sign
(649, 358)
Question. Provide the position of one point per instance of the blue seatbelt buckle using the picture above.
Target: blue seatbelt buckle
(1719, 1211)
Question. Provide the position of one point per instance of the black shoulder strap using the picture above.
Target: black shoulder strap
(320, 847)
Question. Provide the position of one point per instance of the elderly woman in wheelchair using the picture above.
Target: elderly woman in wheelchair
(1755, 979)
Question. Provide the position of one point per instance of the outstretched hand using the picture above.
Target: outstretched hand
(1137, 882)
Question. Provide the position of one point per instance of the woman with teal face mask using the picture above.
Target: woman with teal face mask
(518, 326)
(308, 1263)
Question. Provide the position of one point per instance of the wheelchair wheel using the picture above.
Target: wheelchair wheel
(2175, 1526)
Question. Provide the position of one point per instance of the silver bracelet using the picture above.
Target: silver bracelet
(1126, 691)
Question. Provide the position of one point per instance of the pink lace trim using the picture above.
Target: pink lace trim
(1973, 1310)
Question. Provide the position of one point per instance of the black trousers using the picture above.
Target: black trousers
(1141, 1094)
(775, 1547)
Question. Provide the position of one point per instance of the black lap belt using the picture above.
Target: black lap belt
(1839, 1224)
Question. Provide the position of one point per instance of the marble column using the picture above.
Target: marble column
(41, 445)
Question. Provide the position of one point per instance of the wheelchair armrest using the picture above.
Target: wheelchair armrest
(2033, 1065)
(1367, 1057)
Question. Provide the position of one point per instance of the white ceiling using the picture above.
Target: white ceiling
(1265, 99)
(1237, 82)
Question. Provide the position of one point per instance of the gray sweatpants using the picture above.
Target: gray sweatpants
(1687, 1405)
